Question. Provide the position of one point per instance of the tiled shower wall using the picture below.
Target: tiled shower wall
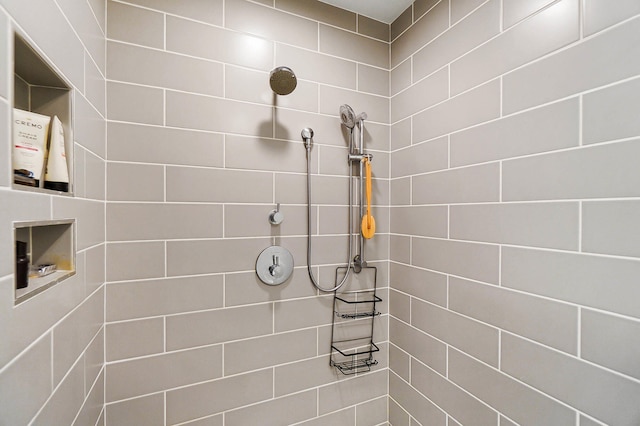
(52, 345)
(199, 153)
(514, 219)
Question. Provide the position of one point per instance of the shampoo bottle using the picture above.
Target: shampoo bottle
(30, 135)
(57, 173)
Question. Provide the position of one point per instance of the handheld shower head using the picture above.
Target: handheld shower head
(347, 116)
(282, 80)
(307, 137)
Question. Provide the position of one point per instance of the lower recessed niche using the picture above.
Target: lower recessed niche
(49, 248)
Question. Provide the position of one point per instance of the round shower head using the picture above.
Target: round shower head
(282, 80)
(347, 116)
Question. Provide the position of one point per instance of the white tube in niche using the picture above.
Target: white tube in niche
(30, 134)
(57, 174)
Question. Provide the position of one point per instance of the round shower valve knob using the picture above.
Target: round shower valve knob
(276, 216)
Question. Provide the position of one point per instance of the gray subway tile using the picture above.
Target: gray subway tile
(400, 79)
(193, 402)
(586, 421)
(260, 352)
(597, 392)
(192, 111)
(376, 107)
(66, 400)
(138, 104)
(610, 227)
(400, 248)
(456, 330)
(264, 154)
(412, 401)
(372, 412)
(559, 24)
(599, 282)
(229, 47)
(196, 185)
(465, 185)
(549, 128)
(425, 28)
(456, 402)
(130, 261)
(320, 11)
(295, 314)
(400, 306)
(286, 410)
(301, 375)
(465, 110)
(135, 25)
(420, 158)
(26, 385)
(608, 114)
(192, 257)
(151, 221)
(209, 327)
(84, 24)
(550, 225)
(600, 14)
(92, 412)
(142, 376)
(524, 405)
(373, 80)
(426, 285)
(570, 174)
(245, 287)
(209, 11)
(463, 36)
(614, 55)
(425, 221)
(316, 66)
(349, 392)
(402, 22)
(610, 341)
(271, 24)
(515, 10)
(131, 412)
(469, 260)
(152, 67)
(373, 28)
(342, 417)
(154, 144)
(347, 45)
(517, 312)
(140, 299)
(75, 332)
(89, 126)
(134, 338)
(423, 94)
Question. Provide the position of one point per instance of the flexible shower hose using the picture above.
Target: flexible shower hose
(346, 275)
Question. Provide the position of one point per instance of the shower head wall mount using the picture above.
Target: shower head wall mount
(282, 80)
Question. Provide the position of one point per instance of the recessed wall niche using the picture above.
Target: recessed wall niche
(38, 88)
(49, 248)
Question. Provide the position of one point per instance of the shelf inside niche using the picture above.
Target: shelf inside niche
(48, 242)
(39, 88)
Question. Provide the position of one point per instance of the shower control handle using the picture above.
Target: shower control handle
(275, 269)
(276, 216)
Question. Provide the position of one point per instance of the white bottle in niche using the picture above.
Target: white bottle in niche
(57, 174)
(30, 134)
